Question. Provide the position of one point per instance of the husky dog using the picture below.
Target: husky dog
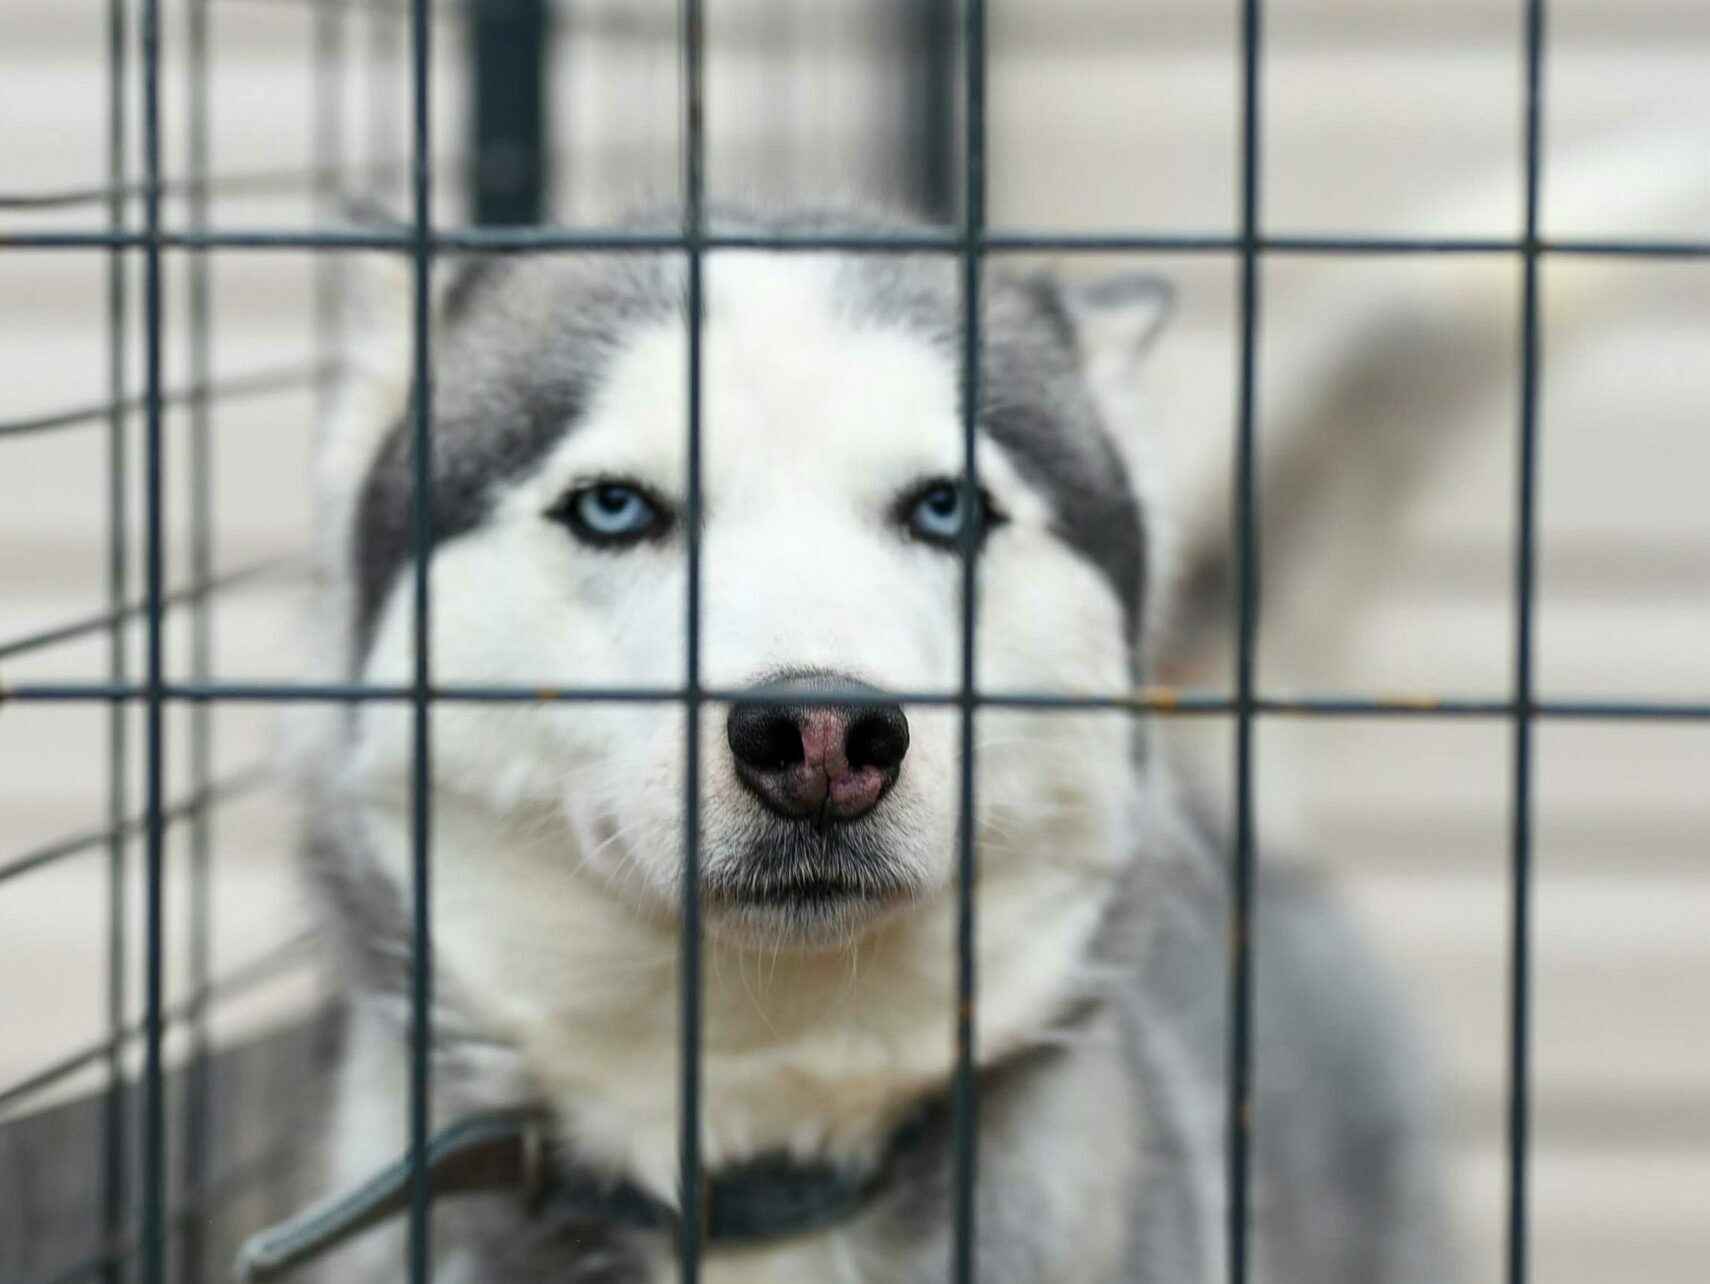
(831, 522)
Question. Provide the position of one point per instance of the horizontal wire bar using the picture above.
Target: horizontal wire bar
(229, 787)
(595, 240)
(257, 971)
(310, 180)
(256, 182)
(256, 383)
(1175, 24)
(1159, 700)
(266, 568)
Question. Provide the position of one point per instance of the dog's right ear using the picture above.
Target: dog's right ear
(1115, 321)
(374, 370)
(371, 386)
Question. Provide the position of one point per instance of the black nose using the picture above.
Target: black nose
(818, 762)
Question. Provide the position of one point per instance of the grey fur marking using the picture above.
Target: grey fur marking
(1033, 402)
(521, 347)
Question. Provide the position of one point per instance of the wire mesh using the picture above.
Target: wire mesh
(420, 1246)
(1525, 591)
(114, 1194)
(690, 1178)
(135, 228)
(1241, 926)
(152, 1172)
(964, 1103)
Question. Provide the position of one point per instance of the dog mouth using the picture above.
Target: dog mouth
(807, 893)
(801, 881)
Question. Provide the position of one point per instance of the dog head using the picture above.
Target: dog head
(831, 514)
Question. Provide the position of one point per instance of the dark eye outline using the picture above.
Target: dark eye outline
(567, 511)
(986, 516)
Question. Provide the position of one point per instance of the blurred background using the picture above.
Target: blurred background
(1388, 548)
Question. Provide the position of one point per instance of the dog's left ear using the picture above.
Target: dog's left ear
(1112, 323)
(1115, 322)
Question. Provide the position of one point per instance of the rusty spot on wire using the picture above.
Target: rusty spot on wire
(1419, 700)
(1159, 697)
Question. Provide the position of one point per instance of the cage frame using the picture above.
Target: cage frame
(133, 239)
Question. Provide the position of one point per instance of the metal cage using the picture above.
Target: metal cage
(949, 102)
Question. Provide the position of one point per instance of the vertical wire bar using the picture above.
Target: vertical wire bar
(689, 1141)
(153, 1170)
(199, 309)
(1242, 926)
(113, 1201)
(421, 976)
(1525, 568)
(965, 1108)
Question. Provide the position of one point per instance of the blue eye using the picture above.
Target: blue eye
(938, 511)
(610, 513)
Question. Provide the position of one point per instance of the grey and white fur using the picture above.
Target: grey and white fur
(831, 414)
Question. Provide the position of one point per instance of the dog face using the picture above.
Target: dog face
(831, 521)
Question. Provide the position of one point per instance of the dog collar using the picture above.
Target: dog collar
(764, 1199)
